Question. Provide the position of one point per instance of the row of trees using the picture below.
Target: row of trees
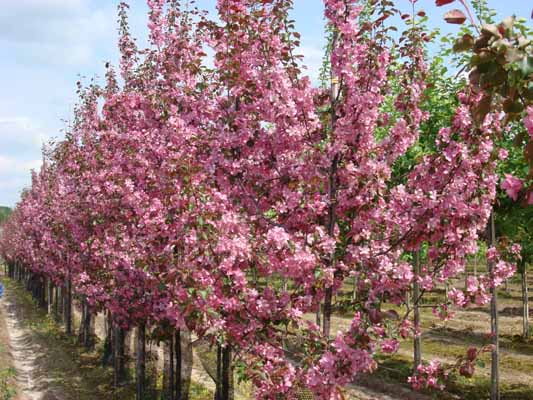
(226, 197)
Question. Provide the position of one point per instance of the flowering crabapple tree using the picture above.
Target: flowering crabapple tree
(233, 200)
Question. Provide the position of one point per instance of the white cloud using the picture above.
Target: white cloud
(21, 141)
(20, 131)
(313, 57)
(55, 31)
(12, 166)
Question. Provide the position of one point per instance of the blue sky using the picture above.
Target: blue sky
(46, 45)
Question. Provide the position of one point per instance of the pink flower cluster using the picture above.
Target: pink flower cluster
(235, 199)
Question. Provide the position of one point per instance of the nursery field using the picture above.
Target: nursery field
(220, 219)
(40, 362)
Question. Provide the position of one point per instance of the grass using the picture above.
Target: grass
(8, 389)
(200, 392)
(448, 340)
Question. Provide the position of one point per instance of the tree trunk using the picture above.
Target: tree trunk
(227, 374)
(86, 325)
(50, 296)
(119, 358)
(332, 195)
(56, 303)
(177, 355)
(218, 389)
(68, 307)
(417, 343)
(525, 303)
(186, 363)
(224, 384)
(326, 327)
(495, 373)
(168, 370)
(171, 373)
(141, 362)
(109, 353)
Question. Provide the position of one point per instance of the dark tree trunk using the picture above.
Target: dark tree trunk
(525, 303)
(141, 363)
(85, 334)
(68, 307)
(495, 355)
(50, 295)
(332, 193)
(227, 374)
(57, 303)
(186, 363)
(171, 373)
(109, 353)
(326, 319)
(119, 358)
(177, 354)
(417, 343)
(224, 383)
(218, 390)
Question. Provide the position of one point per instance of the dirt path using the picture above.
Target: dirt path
(32, 384)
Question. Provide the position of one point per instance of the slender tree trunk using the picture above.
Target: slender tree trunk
(141, 362)
(109, 353)
(120, 365)
(186, 363)
(50, 295)
(227, 374)
(177, 354)
(525, 303)
(68, 307)
(495, 373)
(218, 389)
(417, 343)
(81, 331)
(166, 370)
(86, 325)
(172, 375)
(56, 303)
(326, 327)
(332, 195)
(44, 293)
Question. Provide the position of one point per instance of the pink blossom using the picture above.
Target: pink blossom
(512, 186)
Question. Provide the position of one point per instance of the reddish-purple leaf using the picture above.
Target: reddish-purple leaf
(440, 3)
(455, 17)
